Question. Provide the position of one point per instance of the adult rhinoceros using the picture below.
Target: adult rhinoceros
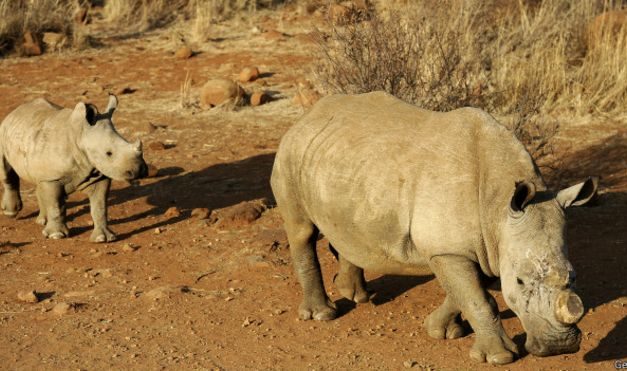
(396, 188)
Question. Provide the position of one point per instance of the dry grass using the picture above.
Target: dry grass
(18, 17)
(142, 15)
(526, 62)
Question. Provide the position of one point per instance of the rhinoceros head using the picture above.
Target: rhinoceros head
(105, 148)
(536, 277)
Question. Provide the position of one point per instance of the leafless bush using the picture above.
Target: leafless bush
(526, 61)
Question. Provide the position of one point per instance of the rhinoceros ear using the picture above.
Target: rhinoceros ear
(579, 194)
(113, 104)
(87, 112)
(524, 193)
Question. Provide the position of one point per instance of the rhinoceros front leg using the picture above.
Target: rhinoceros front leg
(444, 322)
(98, 193)
(350, 281)
(52, 198)
(460, 278)
(302, 237)
(11, 200)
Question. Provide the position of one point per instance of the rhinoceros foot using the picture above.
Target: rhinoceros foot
(318, 311)
(102, 235)
(494, 348)
(55, 231)
(11, 204)
(352, 288)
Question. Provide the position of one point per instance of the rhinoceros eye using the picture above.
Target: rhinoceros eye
(109, 154)
(519, 281)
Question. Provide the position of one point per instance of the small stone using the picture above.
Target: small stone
(54, 40)
(200, 213)
(129, 247)
(158, 230)
(219, 91)
(183, 52)
(258, 98)
(156, 146)
(152, 170)
(306, 97)
(249, 74)
(273, 35)
(28, 296)
(31, 46)
(409, 364)
(62, 308)
(172, 212)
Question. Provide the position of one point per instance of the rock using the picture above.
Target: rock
(220, 91)
(243, 213)
(54, 41)
(273, 35)
(158, 230)
(30, 46)
(200, 213)
(156, 146)
(152, 170)
(249, 74)
(606, 28)
(409, 364)
(62, 308)
(28, 296)
(149, 127)
(183, 52)
(172, 212)
(164, 292)
(129, 247)
(306, 97)
(258, 98)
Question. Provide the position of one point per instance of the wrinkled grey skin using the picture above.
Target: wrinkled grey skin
(62, 151)
(396, 189)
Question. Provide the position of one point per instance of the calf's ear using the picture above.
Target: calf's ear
(579, 194)
(113, 104)
(85, 112)
(524, 193)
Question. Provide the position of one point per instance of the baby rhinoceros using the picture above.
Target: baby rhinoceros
(61, 151)
(396, 188)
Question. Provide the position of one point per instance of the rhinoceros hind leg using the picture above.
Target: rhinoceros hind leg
(444, 322)
(11, 200)
(42, 219)
(302, 236)
(350, 281)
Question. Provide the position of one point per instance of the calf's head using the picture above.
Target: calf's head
(104, 147)
(536, 277)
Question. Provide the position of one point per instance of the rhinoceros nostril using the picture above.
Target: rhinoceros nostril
(129, 174)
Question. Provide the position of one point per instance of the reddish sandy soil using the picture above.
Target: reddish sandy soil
(180, 292)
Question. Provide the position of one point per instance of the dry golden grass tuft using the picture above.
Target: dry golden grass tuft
(36, 17)
(524, 60)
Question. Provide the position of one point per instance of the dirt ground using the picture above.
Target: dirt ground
(181, 292)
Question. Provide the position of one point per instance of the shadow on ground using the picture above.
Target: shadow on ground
(215, 187)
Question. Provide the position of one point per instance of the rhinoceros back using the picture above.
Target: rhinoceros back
(34, 140)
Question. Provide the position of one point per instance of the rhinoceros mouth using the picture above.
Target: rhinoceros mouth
(553, 343)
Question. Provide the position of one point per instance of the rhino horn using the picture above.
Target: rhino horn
(113, 104)
(568, 307)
